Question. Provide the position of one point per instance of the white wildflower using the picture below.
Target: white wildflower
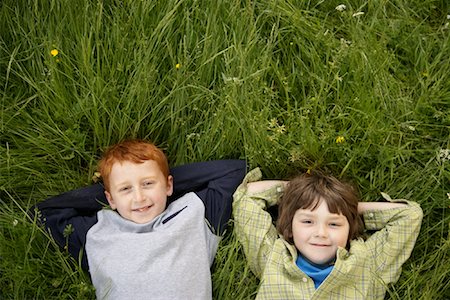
(341, 7)
(193, 135)
(444, 154)
(15, 222)
(448, 17)
(230, 79)
(408, 126)
(448, 195)
(345, 42)
(357, 14)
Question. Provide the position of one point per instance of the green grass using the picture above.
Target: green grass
(273, 82)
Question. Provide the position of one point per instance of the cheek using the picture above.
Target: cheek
(343, 238)
(299, 233)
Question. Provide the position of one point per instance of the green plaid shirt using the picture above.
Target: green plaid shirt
(363, 272)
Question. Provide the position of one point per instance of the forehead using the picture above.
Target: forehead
(130, 169)
(320, 208)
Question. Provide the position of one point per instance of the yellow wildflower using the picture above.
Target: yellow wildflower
(177, 66)
(54, 52)
(340, 139)
(308, 172)
(96, 177)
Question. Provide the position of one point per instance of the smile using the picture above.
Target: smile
(320, 245)
(142, 209)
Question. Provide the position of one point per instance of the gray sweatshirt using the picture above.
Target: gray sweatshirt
(167, 258)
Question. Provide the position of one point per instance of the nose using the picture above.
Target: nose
(322, 230)
(138, 195)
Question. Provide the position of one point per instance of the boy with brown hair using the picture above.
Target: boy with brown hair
(149, 246)
(316, 251)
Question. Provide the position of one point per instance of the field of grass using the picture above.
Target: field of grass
(287, 85)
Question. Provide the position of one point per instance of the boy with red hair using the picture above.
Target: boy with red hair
(149, 246)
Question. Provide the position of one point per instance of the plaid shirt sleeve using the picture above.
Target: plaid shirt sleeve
(396, 233)
(253, 224)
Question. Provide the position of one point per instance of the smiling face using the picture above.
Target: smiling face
(317, 234)
(138, 191)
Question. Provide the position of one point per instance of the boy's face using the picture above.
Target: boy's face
(138, 190)
(317, 234)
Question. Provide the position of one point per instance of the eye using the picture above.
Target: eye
(335, 224)
(148, 183)
(124, 189)
(306, 221)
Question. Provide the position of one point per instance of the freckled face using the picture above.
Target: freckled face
(138, 191)
(318, 234)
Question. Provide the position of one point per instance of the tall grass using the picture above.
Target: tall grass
(273, 82)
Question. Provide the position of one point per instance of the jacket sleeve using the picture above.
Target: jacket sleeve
(396, 231)
(69, 216)
(253, 223)
(214, 182)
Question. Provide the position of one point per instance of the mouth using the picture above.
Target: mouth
(142, 209)
(320, 245)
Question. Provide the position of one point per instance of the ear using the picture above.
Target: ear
(169, 185)
(110, 200)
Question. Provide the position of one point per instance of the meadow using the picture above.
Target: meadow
(362, 91)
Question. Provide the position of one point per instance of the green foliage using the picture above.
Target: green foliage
(288, 85)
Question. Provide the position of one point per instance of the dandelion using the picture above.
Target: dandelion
(357, 14)
(340, 139)
(54, 52)
(178, 66)
(341, 7)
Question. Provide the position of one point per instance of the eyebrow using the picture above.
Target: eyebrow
(311, 215)
(126, 182)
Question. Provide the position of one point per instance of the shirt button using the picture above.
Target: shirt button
(305, 279)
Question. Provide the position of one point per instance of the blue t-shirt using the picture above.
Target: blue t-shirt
(318, 273)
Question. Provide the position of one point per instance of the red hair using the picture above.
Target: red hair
(137, 151)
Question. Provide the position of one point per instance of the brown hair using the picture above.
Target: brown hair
(307, 190)
(137, 151)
